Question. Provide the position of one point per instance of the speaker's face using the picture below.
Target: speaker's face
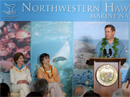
(109, 34)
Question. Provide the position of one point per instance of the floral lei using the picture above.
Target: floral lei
(47, 73)
(104, 43)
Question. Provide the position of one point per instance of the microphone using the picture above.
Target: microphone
(105, 52)
(110, 52)
(87, 61)
(128, 82)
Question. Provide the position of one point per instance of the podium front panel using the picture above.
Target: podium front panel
(106, 91)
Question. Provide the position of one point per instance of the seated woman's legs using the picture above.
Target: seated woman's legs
(55, 90)
(26, 88)
(23, 89)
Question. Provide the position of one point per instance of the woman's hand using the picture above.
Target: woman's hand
(23, 81)
(61, 85)
(26, 82)
(20, 81)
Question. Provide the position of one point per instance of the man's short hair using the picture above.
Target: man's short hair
(41, 86)
(118, 93)
(34, 94)
(90, 93)
(79, 91)
(4, 90)
(112, 27)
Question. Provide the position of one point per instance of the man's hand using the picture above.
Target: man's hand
(126, 89)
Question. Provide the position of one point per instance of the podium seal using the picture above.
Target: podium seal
(106, 75)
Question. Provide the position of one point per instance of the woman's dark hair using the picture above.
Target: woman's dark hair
(16, 57)
(42, 56)
(90, 93)
(4, 90)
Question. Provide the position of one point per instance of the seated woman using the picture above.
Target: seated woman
(50, 73)
(20, 76)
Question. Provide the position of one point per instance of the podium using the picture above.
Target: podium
(107, 75)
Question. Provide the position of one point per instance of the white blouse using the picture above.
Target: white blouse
(23, 74)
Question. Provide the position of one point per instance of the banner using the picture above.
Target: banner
(68, 30)
(65, 10)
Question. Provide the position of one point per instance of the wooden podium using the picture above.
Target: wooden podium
(102, 90)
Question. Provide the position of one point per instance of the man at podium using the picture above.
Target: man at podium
(110, 46)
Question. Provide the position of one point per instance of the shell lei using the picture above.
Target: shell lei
(21, 69)
(47, 73)
(104, 43)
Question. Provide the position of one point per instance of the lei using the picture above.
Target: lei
(23, 69)
(47, 73)
(104, 43)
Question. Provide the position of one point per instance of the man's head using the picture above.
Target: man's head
(41, 86)
(34, 94)
(79, 91)
(109, 32)
(124, 91)
(91, 94)
(4, 90)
